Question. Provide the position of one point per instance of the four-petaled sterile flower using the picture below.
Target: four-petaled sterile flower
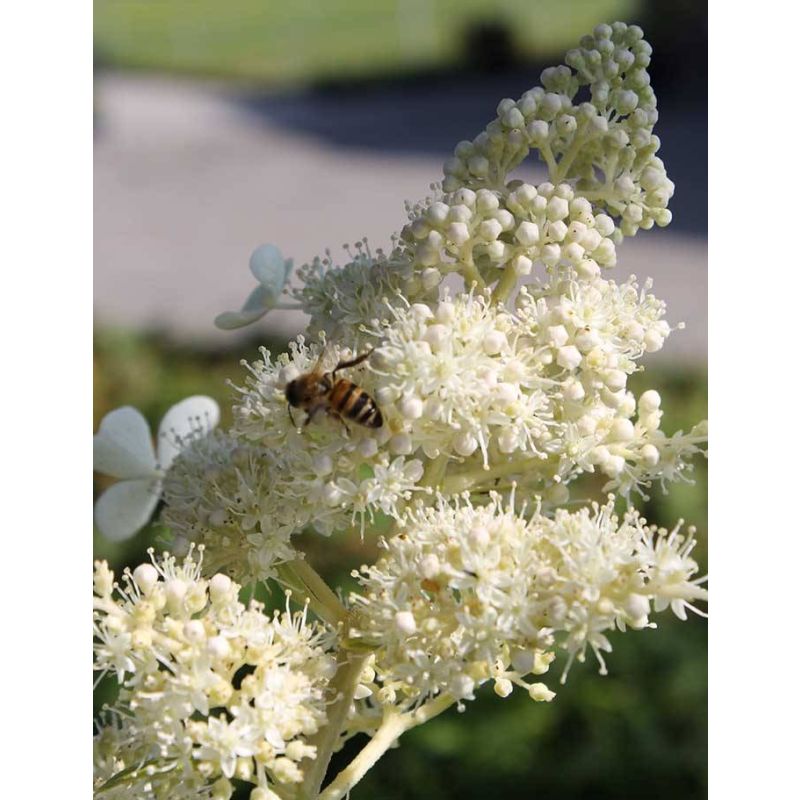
(272, 272)
(123, 448)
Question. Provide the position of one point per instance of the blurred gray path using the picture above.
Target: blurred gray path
(188, 181)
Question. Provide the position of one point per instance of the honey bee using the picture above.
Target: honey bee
(317, 391)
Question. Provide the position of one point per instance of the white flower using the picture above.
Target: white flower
(194, 651)
(123, 448)
(466, 594)
(223, 493)
(341, 299)
(326, 476)
(543, 224)
(272, 272)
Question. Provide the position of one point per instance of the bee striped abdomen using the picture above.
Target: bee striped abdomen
(352, 402)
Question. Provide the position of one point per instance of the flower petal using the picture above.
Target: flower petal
(257, 304)
(122, 445)
(259, 300)
(189, 417)
(270, 268)
(125, 507)
(231, 320)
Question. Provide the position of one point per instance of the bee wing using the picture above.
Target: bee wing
(321, 358)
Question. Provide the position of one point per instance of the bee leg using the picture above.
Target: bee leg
(341, 419)
(291, 416)
(352, 363)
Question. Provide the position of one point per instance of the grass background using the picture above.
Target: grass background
(289, 42)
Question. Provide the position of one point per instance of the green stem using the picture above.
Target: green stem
(392, 727)
(504, 286)
(569, 156)
(342, 688)
(471, 274)
(552, 167)
(434, 474)
(461, 481)
(301, 577)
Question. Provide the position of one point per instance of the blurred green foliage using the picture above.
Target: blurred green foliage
(638, 732)
(306, 40)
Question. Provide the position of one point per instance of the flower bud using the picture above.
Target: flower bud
(458, 232)
(411, 407)
(527, 233)
(522, 265)
(650, 401)
(569, 357)
(650, 455)
(146, 577)
(540, 693)
(405, 622)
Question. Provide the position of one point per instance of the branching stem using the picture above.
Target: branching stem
(302, 578)
(393, 726)
(342, 688)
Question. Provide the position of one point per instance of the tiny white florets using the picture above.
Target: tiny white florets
(209, 689)
(341, 299)
(466, 594)
(331, 476)
(479, 232)
(218, 493)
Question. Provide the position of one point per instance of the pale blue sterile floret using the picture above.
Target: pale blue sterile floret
(272, 272)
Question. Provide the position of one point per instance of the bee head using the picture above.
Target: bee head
(294, 393)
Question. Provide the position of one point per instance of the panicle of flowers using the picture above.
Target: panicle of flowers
(340, 300)
(210, 690)
(539, 393)
(465, 594)
(591, 122)
(331, 477)
(508, 391)
(218, 493)
(486, 235)
(590, 335)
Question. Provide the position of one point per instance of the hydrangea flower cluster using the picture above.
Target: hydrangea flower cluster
(217, 494)
(497, 349)
(339, 300)
(210, 690)
(468, 594)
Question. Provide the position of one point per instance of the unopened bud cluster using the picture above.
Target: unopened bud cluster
(605, 144)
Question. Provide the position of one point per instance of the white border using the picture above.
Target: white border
(46, 61)
(754, 324)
